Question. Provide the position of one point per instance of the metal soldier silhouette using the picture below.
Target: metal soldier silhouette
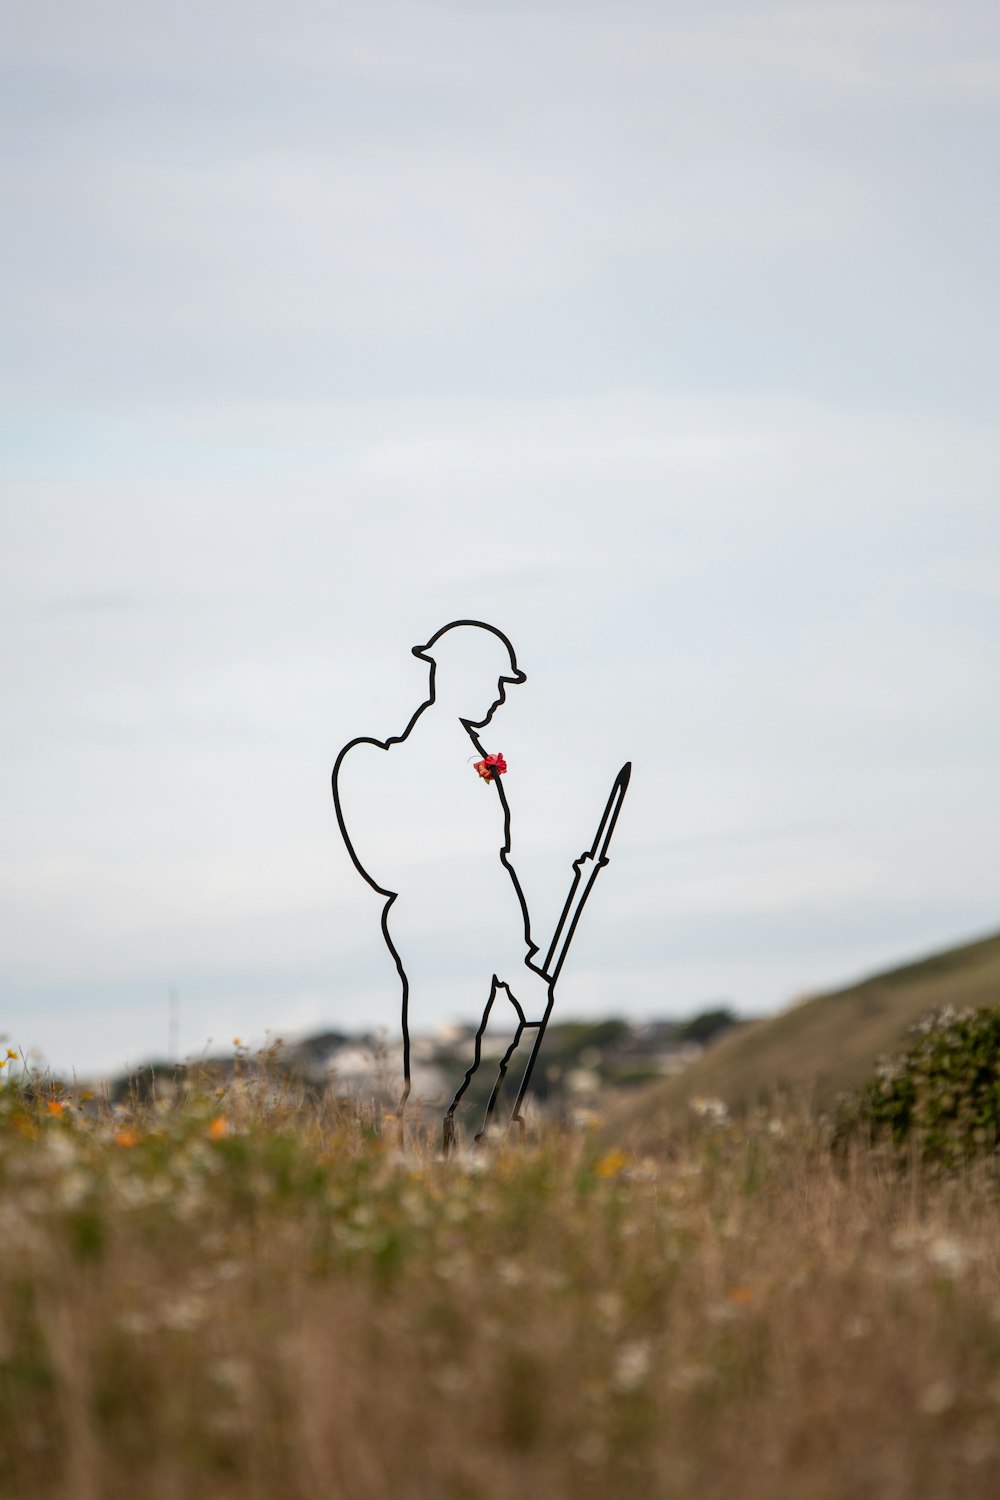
(421, 783)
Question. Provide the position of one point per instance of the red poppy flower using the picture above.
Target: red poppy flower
(493, 765)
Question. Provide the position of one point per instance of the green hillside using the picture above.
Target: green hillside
(820, 1046)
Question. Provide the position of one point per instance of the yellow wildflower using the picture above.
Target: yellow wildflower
(611, 1163)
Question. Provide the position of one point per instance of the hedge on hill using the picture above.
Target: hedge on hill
(938, 1101)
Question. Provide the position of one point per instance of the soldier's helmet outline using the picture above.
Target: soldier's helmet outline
(436, 650)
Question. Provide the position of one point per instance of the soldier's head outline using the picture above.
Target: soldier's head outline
(493, 655)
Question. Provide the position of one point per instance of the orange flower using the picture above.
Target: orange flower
(55, 1107)
(219, 1128)
(741, 1295)
(126, 1138)
(492, 766)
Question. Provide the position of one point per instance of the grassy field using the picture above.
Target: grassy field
(242, 1293)
(819, 1047)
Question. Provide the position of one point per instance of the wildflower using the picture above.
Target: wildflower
(185, 1313)
(631, 1366)
(740, 1295)
(56, 1107)
(491, 767)
(609, 1308)
(938, 1398)
(11, 1054)
(611, 1164)
(126, 1138)
(948, 1254)
(721, 1312)
(218, 1129)
(710, 1109)
(72, 1189)
(133, 1192)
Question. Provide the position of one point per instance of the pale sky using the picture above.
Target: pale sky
(661, 336)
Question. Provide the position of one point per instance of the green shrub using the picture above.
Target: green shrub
(938, 1100)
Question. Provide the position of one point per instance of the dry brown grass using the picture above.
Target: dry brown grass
(249, 1297)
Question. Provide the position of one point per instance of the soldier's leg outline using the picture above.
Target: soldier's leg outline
(504, 1063)
(523, 1024)
(477, 1057)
